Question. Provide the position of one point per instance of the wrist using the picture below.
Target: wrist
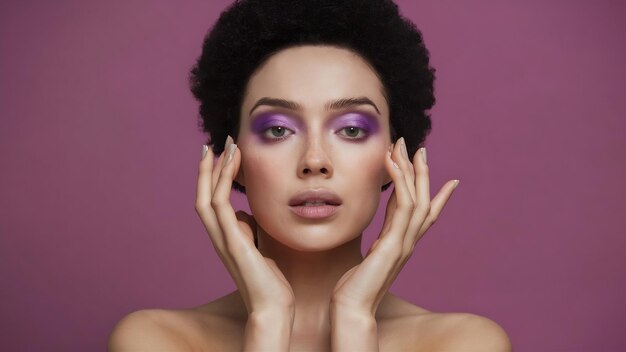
(268, 331)
(350, 312)
(353, 330)
(360, 318)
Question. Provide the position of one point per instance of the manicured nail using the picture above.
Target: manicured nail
(205, 149)
(229, 141)
(231, 151)
(404, 151)
(424, 154)
(456, 183)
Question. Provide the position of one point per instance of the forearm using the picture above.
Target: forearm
(353, 331)
(268, 331)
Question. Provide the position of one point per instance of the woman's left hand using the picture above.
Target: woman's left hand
(409, 214)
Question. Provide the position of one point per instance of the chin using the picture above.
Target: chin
(317, 238)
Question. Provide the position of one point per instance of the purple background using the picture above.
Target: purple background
(99, 150)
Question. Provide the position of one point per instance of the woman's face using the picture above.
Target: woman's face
(313, 135)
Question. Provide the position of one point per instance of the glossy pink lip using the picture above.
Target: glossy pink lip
(314, 211)
(315, 195)
(331, 203)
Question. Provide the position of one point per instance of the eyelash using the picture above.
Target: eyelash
(360, 131)
(269, 137)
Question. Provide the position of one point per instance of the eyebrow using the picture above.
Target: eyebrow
(331, 105)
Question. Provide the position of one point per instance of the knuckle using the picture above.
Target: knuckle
(409, 252)
(423, 208)
(409, 204)
(424, 169)
(406, 255)
(432, 220)
(215, 202)
(199, 207)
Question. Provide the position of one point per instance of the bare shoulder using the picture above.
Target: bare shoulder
(175, 330)
(471, 332)
(408, 327)
(145, 330)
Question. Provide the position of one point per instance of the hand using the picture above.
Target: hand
(262, 285)
(409, 213)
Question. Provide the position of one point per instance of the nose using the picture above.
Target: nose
(315, 160)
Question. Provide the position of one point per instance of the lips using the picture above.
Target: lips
(315, 204)
(315, 197)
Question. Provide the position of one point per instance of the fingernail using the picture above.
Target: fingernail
(404, 151)
(231, 151)
(456, 183)
(396, 165)
(229, 141)
(205, 149)
(424, 155)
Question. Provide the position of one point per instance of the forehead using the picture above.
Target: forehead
(314, 75)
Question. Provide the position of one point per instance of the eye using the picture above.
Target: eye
(277, 133)
(353, 132)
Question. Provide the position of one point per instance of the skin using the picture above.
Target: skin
(308, 287)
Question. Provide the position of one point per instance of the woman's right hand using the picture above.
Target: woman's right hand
(263, 287)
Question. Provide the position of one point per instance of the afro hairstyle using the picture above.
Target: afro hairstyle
(248, 32)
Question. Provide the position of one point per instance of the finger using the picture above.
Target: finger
(203, 204)
(422, 182)
(391, 207)
(422, 209)
(204, 191)
(404, 202)
(437, 204)
(216, 170)
(245, 259)
(402, 159)
(392, 239)
(221, 196)
(220, 161)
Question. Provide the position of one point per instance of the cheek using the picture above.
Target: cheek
(265, 182)
(365, 167)
(263, 173)
(363, 175)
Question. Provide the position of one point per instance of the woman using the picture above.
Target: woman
(313, 107)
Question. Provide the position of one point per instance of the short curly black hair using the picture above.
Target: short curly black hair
(248, 32)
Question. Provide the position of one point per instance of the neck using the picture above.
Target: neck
(312, 275)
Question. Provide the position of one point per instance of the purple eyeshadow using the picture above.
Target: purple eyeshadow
(265, 121)
(261, 123)
(369, 124)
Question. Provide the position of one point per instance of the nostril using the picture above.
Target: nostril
(309, 171)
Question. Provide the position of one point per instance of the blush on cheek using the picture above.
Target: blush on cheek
(262, 170)
(368, 167)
